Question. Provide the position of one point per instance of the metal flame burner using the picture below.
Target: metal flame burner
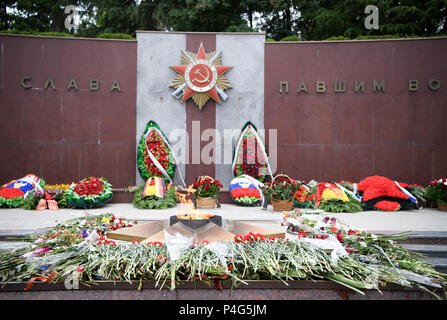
(196, 223)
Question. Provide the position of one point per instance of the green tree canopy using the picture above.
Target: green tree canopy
(279, 19)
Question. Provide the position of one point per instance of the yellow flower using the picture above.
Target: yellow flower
(334, 194)
(105, 220)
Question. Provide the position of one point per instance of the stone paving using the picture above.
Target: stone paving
(19, 221)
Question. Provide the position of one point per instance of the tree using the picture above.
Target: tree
(332, 18)
(205, 15)
(280, 18)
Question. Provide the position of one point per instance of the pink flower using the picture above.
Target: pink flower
(80, 269)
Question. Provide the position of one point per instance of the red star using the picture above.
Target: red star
(188, 92)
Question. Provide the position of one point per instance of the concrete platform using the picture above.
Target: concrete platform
(16, 222)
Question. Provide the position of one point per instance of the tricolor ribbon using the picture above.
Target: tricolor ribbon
(412, 198)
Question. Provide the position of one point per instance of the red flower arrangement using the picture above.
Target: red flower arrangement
(11, 197)
(160, 151)
(242, 192)
(89, 186)
(378, 186)
(89, 192)
(387, 206)
(11, 193)
(377, 189)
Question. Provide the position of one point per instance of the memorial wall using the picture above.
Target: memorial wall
(72, 108)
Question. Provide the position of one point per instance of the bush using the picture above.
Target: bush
(37, 33)
(387, 36)
(291, 38)
(338, 38)
(116, 36)
(269, 40)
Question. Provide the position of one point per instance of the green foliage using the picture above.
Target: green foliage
(346, 18)
(281, 189)
(338, 206)
(11, 203)
(116, 36)
(269, 40)
(154, 202)
(338, 38)
(291, 38)
(386, 36)
(37, 33)
(436, 191)
(204, 15)
(308, 19)
(420, 193)
(31, 202)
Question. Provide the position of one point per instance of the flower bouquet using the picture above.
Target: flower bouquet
(281, 192)
(437, 193)
(206, 192)
(42, 196)
(301, 197)
(89, 192)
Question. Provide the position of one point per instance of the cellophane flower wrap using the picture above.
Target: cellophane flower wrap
(89, 192)
(437, 191)
(155, 142)
(206, 187)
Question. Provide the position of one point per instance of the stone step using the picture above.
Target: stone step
(427, 237)
(440, 264)
(429, 250)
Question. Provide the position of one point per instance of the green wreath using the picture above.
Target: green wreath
(89, 192)
(159, 149)
(154, 202)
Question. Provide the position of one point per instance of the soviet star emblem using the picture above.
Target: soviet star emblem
(200, 76)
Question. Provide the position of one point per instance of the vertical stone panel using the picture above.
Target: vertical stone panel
(156, 52)
(245, 53)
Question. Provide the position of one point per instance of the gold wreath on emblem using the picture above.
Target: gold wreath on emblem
(185, 89)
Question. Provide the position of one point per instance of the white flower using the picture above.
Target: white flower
(391, 241)
(39, 240)
(373, 236)
(363, 244)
